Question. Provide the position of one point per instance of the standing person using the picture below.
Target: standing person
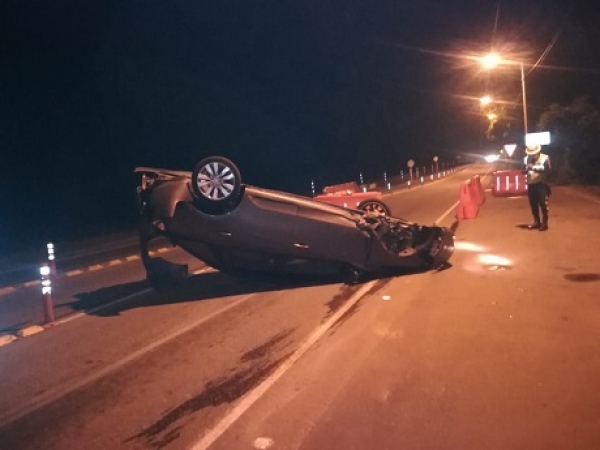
(537, 166)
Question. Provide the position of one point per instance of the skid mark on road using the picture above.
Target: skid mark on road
(255, 394)
(226, 389)
(262, 350)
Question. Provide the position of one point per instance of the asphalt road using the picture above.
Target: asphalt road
(499, 351)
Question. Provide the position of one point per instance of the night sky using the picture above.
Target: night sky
(290, 90)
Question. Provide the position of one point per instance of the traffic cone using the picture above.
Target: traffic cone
(467, 206)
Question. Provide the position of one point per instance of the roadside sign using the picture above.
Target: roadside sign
(510, 149)
(542, 138)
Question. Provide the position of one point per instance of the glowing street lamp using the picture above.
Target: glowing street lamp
(490, 61)
(485, 100)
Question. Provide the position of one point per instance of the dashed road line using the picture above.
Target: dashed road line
(8, 290)
(72, 273)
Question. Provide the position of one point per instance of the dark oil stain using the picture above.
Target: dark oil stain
(583, 277)
(346, 291)
(354, 308)
(378, 285)
(217, 392)
(564, 318)
(262, 350)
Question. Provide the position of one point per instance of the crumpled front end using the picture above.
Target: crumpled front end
(400, 243)
(442, 247)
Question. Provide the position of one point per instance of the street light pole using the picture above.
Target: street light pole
(524, 98)
(490, 61)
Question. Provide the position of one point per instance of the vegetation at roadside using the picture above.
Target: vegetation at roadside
(575, 146)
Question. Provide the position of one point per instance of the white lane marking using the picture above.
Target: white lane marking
(7, 290)
(251, 397)
(95, 267)
(115, 262)
(132, 258)
(447, 212)
(53, 395)
(72, 273)
(32, 283)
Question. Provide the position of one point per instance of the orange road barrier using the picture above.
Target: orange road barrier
(480, 191)
(474, 192)
(467, 206)
(508, 182)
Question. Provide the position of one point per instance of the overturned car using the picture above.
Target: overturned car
(235, 227)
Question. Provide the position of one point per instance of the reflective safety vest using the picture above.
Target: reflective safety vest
(539, 172)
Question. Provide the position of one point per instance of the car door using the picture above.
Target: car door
(325, 235)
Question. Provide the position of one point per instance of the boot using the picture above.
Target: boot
(534, 226)
(544, 225)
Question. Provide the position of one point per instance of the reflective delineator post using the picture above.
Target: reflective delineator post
(45, 272)
(51, 259)
(312, 187)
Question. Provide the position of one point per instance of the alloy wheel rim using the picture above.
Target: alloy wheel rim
(215, 181)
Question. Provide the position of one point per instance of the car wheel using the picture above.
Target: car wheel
(376, 206)
(216, 184)
(350, 275)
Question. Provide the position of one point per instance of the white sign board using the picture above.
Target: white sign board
(542, 138)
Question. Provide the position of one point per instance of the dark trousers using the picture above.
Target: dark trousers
(538, 201)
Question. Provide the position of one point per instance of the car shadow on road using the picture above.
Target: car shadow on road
(112, 300)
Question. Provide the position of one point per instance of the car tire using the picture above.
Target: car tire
(216, 184)
(373, 205)
(351, 276)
